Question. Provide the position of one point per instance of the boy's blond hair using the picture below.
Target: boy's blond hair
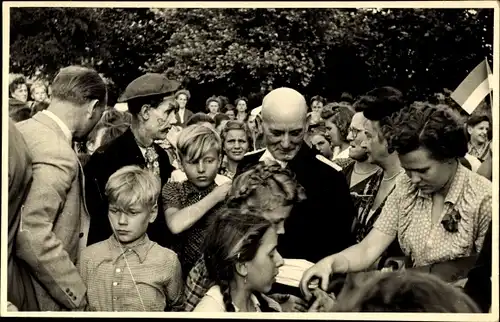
(132, 185)
(195, 141)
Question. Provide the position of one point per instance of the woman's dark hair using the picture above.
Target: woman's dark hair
(341, 117)
(183, 92)
(114, 122)
(199, 118)
(346, 97)
(213, 99)
(228, 107)
(380, 103)
(405, 291)
(218, 118)
(437, 129)
(240, 99)
(318, 98)
(232, 237)
(15, 84)
(79, 85)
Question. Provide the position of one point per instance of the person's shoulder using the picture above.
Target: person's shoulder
(477, 183)
(320, 159)
(212, 301)
(255, 153)
(164, 253)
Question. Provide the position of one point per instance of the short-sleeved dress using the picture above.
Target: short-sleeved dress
(407, 215)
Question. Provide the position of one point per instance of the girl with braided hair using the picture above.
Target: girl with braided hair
(266, 190)
(241, 257)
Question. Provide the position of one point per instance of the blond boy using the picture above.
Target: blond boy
(190, 204)
(128, 271)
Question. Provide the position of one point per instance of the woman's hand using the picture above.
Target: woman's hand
(322, 271)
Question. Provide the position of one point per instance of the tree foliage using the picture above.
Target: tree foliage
(241, 51)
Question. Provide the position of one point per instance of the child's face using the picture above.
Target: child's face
(39, 94)
(131, 224)
(202, 172)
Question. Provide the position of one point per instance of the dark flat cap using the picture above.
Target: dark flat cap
(147, 85)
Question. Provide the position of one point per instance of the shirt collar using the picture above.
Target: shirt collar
(61, 124)
(141, 249)
(255, 303)
(268, 156)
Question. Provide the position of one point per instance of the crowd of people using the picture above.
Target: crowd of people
(379, 204)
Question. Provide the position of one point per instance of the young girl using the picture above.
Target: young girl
(267, 190)
(242, 259)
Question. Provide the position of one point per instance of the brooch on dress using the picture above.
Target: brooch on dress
(450, 221)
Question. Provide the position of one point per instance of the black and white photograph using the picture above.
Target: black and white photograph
(320, 160)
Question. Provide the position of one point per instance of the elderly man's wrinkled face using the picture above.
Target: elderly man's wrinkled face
(284, 139)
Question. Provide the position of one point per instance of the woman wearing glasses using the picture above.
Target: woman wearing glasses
(438, 212)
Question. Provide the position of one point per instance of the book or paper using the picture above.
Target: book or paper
(292, 270)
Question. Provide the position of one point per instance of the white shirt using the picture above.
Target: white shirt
(342, 155)
(179, 176)
(213, 301)
(474, 162)
(61, 124)
(268, 156)
(181, 114)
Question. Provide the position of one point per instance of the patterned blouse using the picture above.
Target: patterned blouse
(407, 215)
(189, 243)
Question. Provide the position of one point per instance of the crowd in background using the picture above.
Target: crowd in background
(157, 208)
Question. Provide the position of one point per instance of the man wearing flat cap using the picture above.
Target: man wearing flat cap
(153, 113)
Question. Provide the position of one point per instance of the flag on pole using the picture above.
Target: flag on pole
(474, 88)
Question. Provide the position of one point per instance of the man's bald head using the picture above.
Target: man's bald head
(284, 105)
(284, 116)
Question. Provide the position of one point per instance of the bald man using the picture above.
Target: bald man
(321, 224)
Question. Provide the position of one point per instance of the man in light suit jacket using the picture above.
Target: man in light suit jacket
(54, 220)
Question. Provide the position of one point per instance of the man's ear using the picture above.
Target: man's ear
(241, 269)
(91, 107)
(144, 112)
(154, 213)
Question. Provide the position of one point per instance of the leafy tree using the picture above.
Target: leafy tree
(241, 51)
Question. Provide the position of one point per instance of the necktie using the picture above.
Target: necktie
(152, 160)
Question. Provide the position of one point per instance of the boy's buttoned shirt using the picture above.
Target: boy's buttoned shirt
(144, 277)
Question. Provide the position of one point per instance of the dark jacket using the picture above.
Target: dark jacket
(320, 225)
(102, 164)
(187, 116)
(478, 285)
(20, 289)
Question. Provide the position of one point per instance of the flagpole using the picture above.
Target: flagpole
(491, 95)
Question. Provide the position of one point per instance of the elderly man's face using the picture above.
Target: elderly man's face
(284, 138)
